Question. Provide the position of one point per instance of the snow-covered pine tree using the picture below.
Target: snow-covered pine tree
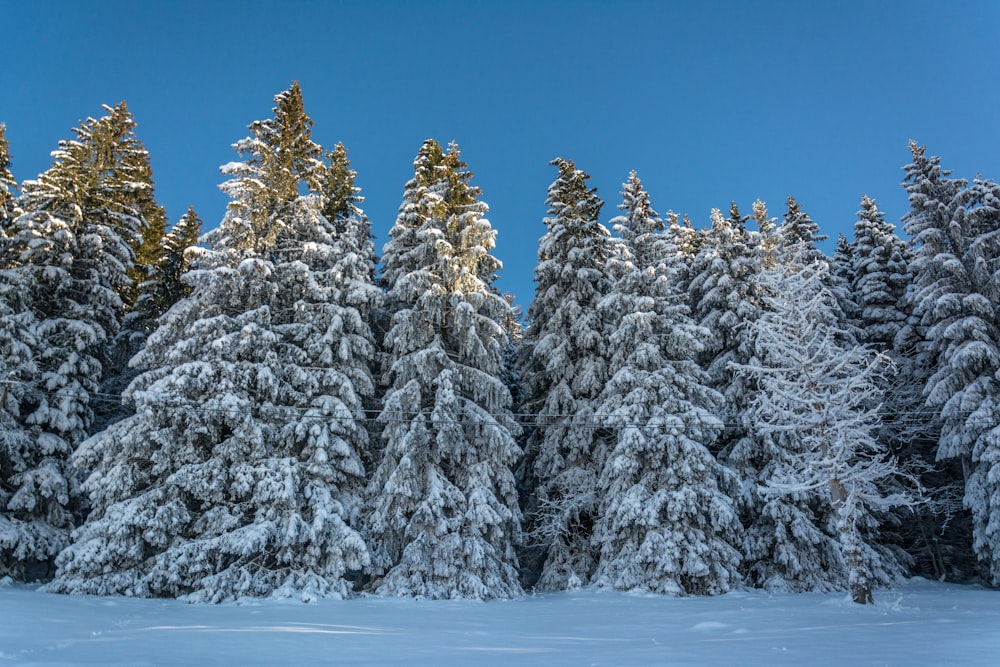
(664, 524)
(355, 247)
(955, 231)
(130, 180)
(352, 279)
(341, 197)
(35, 515)
(640, 231)
(841, 280)
(798, 228)
(66, 257)
(797, 242)
(407, 247)
(8, 186)
(842, 261)
(723, 299)
(241, 470)
(819, 469)
(82, 208)
(686, 241)
(879, 275)
(165, 286)
(876, 268)
(444, 520)
(564, 369)
(765, 240)
(162, 288)
(513, 326)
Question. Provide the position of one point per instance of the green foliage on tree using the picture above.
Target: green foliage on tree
(8, 185)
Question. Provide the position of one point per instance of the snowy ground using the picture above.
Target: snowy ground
(919, 623)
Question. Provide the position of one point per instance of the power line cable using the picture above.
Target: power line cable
(594, 420)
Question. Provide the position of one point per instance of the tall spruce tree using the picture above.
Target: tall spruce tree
(444, 520)
(723, 299)
(66, 258)
(797, 228)
(241, 470)
(133, 172)
(664, 523)
(564, 369)
(880, 275)
(354, 241)
(165, 285)
(955, 231)
(686, 241)
(841, 280)
(353, 279)
(35, 500)
(8, 186)
(162, 288)
(842, 261)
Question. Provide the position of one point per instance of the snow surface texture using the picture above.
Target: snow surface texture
(918, 623)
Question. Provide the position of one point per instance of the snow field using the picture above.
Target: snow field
(919, 623)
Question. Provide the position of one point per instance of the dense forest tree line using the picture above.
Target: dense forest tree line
(270, 408)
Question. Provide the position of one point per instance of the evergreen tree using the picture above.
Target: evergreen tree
(35, 489)
(842, 262)
(342, 200)
(821, 473)
(638, 228)
(766, 240)
(513, 326)
(353, 258)
(67, 255)
(354, 241)
(444, 517)
(241, 472)
(282, 158)
(842, 281)
(165, 285)
(564, 369)
(879, 275)
(798, 228)
(8, 186)
(723, 300)
(133, 174)
(663, 523)
(407, 248)
(686, 241)
(161, 290)
(955, 229)
(797, 243)
(876, 267)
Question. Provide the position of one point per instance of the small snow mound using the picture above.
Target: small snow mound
(6, 581)
(710, 625)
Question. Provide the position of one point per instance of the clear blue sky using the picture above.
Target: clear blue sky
(708, 101)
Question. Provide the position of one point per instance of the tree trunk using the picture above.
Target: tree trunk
(859, 578)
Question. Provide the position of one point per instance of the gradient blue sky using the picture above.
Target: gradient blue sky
(708, 101)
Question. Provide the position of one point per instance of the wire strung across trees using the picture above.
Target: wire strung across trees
(593, 420)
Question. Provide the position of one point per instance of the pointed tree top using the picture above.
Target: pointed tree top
(291, 156)
(342, 197)
(798, 227)
(425, 164)
(869, 211)
(735, 218)
(569, 195)
(7, 183)
(765, 223)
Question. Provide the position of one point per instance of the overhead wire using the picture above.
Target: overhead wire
(592, 420)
